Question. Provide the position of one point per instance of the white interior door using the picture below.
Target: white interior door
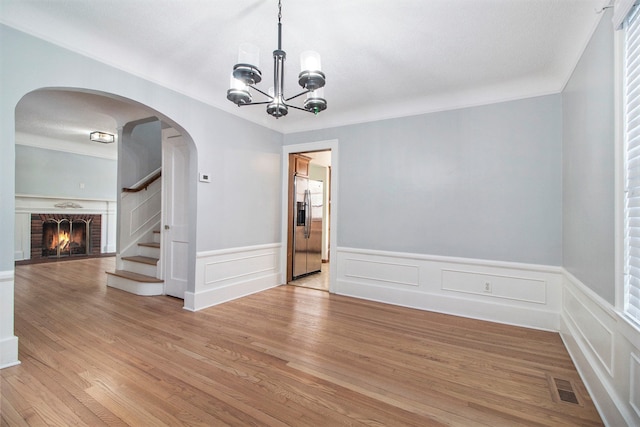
(175, 172)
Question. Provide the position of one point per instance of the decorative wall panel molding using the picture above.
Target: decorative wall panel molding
(227, 274)
(513, 293)
(141, 213)
(634, 385)
(591, 326)
(145, 211)
(498, 286)
(383, 272)
(604, 346)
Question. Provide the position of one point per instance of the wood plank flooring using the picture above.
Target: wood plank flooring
(290, 356)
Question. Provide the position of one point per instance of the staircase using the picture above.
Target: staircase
(139, 274)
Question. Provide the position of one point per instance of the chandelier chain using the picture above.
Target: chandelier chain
(279, 10)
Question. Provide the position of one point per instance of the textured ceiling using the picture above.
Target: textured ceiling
(382, 59)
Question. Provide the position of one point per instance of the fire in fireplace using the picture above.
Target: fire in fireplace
(62, 235)
(65, 237)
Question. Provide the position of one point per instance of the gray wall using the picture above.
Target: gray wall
(141, 152)
(481, 182)
(243, 199)
(42, 172)
(588, 166)
(243, 158)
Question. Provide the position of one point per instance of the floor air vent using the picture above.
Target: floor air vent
(562, 391)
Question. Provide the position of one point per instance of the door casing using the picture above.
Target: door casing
(286, 211)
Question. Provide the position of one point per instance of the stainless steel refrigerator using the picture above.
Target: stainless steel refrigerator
(307, 226)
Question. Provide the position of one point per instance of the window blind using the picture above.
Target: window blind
(632, 202)
(621, 10)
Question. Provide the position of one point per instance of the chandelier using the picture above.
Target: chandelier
(246, 74)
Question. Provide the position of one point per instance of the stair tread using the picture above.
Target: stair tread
(150, 244)
(142, 259)
(135, 276)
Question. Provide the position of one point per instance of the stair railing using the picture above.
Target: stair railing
(143, 185)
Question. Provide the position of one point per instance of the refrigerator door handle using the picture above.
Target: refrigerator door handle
(307, 220)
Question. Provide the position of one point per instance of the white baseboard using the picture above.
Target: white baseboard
(209, 298)
(8, 342)
(227, 274)
(9, 352)
(605, 349)
(517, 294)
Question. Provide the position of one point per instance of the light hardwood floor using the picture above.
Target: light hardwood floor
(93, 355)
(319, 281)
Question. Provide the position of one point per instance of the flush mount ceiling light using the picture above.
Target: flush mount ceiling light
(246, 74)
(104, 137)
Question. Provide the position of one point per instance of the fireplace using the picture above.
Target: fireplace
(64, 235)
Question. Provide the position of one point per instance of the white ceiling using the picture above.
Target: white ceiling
(382, 59)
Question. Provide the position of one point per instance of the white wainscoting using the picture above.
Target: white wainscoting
(605, 347)
(227, 274)
(140, 216)
(511, 293)
(8, 342)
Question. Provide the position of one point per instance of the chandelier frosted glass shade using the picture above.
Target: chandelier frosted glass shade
(238, 92)
(246, 74)
(247, 69)
(315, 101)
(249, 54)
(311, 77)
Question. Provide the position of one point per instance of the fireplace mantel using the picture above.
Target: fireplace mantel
(27, 205)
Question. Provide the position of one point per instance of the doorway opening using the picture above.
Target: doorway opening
(309, 219)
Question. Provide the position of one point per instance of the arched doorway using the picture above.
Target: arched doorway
(55, 160)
